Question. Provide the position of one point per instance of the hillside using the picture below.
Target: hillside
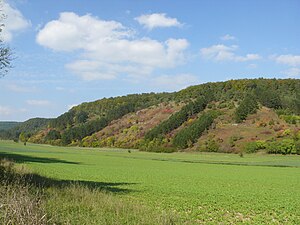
(232, 116)
(27, 128)
(6, 125)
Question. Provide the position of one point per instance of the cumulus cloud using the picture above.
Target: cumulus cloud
(291, 60)
(13, 23)
(150, 21)
(38, 102)
(73, 32)
(108, 48)
(227, 37)
(226, 53)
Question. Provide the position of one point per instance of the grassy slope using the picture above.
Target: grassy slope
(200, 187)
(261, 126)
(129, 129)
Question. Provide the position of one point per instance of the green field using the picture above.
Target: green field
(199, 188)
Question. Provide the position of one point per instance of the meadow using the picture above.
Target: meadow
(195, 188)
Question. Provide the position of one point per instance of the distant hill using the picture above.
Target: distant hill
(6, 125)
(238, 116)
(29, 127)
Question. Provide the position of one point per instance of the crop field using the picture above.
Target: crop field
(198, 187)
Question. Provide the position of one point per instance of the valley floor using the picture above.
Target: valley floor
(205, 188)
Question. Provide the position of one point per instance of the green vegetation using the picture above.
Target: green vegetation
(28, 198)
(78, 132)
(190, 134)
(76, 124)
(285, 146)
(28, 127)
(205, 188)
(178, 118)
(166, 122)
(8, 125)
(268, 97)
(291, 119)
(252, 147)
(247, 106)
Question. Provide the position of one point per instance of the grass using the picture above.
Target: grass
(31, 199)
(198, 188)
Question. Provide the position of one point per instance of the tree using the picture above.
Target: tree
(81, 117)
(5, 51)
(53, 135)
(5, 59)
(247, 106)
(23, 137)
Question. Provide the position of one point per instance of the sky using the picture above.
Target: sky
(69, 52)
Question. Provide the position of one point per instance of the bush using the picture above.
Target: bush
(297, 147)
(252, 147)
(291, 119)
(285, 146)
(212, 145)
(156, 145)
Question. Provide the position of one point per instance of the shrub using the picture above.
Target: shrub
(222, 105)
(285, 146)
(156, 145)
(291, 119)
(286, 132)
(211, 145)
(252, 147)
(297, 147)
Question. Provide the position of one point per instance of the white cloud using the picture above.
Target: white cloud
(227, 37)
(72, 32)
(226, 53)
(155, 20)
(38, 102)
(109, 49)
(14, 22)
(5, 111)
(175, 82)
(292, 72)
(291, 60)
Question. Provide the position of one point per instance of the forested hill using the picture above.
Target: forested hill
(6, 125)
(27, 128)
(232, 116)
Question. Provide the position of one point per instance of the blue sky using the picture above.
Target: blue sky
(69, 52)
